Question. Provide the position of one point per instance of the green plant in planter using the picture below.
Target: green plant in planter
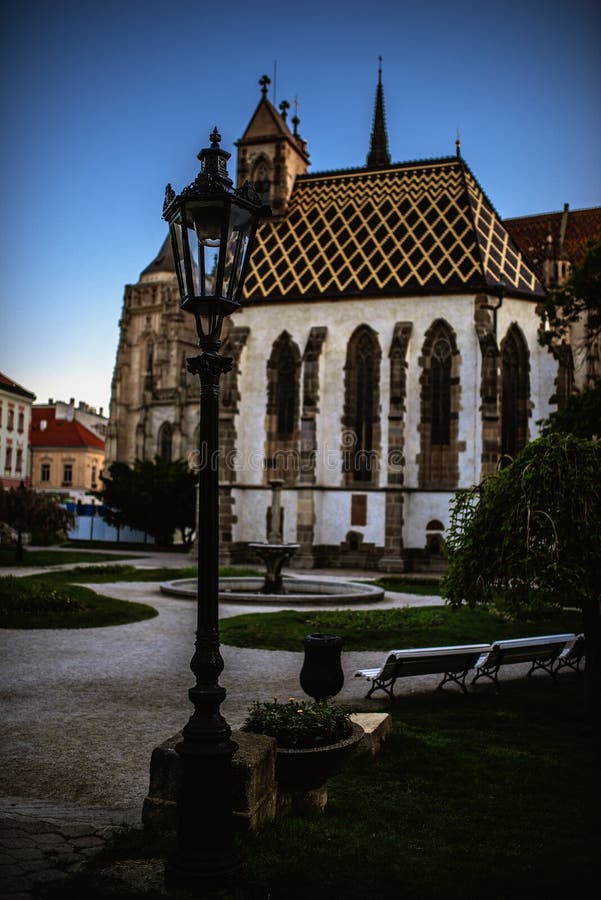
(300, 724)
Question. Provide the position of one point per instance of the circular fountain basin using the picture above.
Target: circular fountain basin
(298, 591)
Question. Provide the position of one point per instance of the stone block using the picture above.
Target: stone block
(377, 727)
(254, 785)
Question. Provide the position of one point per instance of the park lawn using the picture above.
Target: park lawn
(57, 557)
(406, 584)
(386, 629)
(107, 574)
(492, 795)
(43, 604)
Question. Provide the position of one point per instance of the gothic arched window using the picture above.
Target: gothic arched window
(261, 180)
(362, 397)
(441, 391)
(438, 458)
(515, 395)
(283, 399)
(165, 442)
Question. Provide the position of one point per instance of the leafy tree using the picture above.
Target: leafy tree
(579, 296)
(26, 510)
(581, 415)
(531, 534)
(156, 497)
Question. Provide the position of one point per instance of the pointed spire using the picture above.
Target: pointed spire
(378, 151)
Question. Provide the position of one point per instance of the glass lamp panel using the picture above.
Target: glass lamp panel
(205, 225)
(177, 243)
(239, 231)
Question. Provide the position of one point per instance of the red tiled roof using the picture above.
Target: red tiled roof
(531, 233)
(60, 432)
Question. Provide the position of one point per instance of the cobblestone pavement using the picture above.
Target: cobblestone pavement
(83, 710)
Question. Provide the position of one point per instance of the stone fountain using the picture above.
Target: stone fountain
(275, 588)
(274, 552)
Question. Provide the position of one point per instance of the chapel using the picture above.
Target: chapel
(386, 354)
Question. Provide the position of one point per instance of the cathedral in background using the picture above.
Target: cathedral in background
(386, 355)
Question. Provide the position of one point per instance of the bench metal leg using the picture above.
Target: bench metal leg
(386, 685)
(546, 666)
(487, 673)
(456, 678)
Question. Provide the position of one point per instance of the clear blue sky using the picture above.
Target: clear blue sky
(104, 102)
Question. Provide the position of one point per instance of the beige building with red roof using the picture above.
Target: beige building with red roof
(66, 457)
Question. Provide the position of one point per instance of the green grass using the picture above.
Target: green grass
(107, 574)
(43, 604)
(492, 795)
(57, 557)
(405, 584)
(385, 629)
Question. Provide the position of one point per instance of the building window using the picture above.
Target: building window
(165, 442)
(362, 393)
(21, 422)
(440, 403)
(19, 460)
(10, 422)
(8, 459)
(441, 392)
(283, 403)
(67, 474)
(515, 397)
(148, 376)
(93, 477)
(45, 472)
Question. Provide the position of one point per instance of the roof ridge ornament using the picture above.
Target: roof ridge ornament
(264, 81)
(378, 151)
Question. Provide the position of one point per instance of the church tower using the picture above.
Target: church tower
(269, 154)
(153, 405)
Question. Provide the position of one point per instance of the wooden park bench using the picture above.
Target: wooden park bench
(541, 652)
(453, 662)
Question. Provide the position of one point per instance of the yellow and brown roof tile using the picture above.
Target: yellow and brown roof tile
(404, 229)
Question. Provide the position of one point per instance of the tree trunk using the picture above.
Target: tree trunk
(591, 615)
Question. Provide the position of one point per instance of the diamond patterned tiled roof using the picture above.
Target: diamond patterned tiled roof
(407, 228)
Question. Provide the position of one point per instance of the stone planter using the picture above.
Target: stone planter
(302, 774)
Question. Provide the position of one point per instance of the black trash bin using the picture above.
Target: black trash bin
(321, 675)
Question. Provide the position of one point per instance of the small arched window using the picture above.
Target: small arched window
(148, 367)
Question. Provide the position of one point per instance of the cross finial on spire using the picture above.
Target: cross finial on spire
(284, 107)
(264, 81)
(458, 144)
(378, 152)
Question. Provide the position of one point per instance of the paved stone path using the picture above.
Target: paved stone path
(83, 709)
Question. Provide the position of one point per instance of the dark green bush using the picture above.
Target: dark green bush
(300, 723)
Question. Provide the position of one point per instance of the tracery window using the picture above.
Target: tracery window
(362, 393)
(149, 362)
(441, 392)
(515, 396)
(440, 403)
(282, 446)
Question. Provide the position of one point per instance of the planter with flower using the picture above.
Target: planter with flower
(314, 741)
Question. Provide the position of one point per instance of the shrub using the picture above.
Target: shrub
(31, 597)
(300, 723)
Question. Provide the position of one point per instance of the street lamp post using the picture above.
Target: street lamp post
(212, 228)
